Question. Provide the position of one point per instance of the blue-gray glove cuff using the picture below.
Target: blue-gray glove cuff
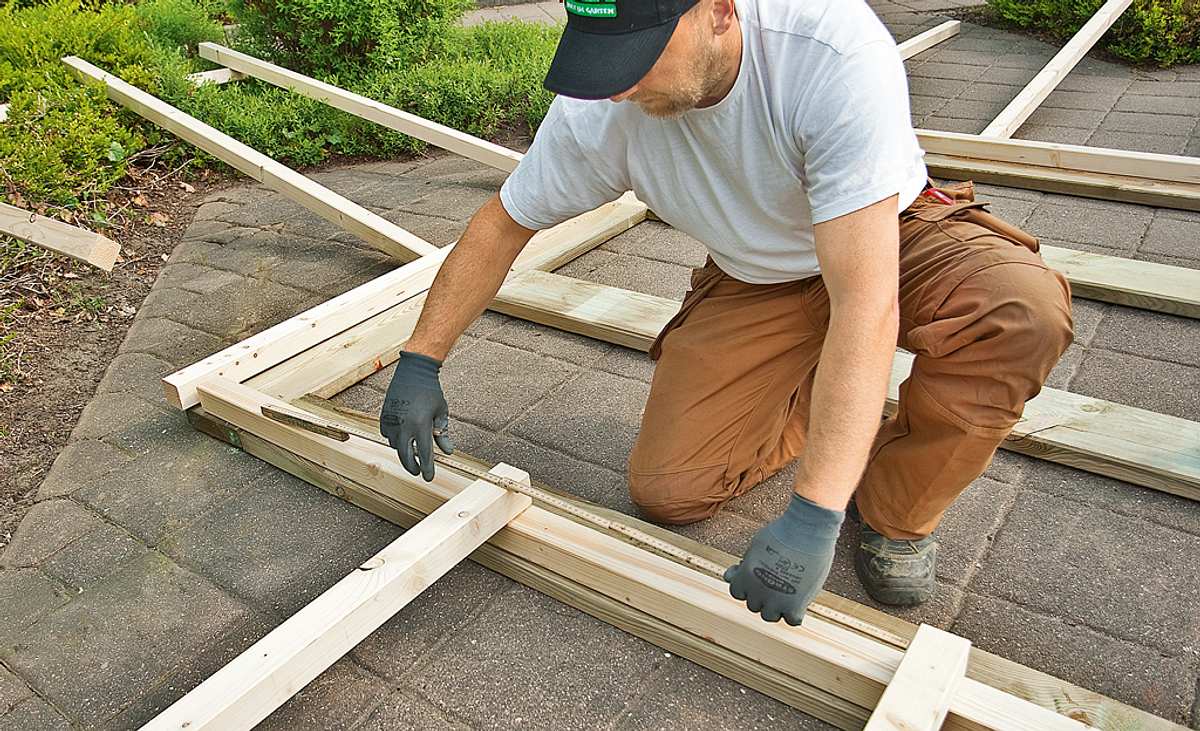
(806, 526)
(421, 366)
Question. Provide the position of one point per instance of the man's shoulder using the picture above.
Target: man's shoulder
(586, 124)
(836, 27)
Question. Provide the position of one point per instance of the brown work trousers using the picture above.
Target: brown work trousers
(728, 407)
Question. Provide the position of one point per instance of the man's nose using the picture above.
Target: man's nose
(624, 95)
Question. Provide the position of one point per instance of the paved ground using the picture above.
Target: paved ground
(155, 554)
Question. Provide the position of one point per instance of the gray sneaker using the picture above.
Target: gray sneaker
(900, 573)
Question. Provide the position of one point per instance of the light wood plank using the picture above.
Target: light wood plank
(1038, 687)
(3, 112)
(373, 344)
(1143, 447)
(826, 656)
(919, 696)
(440, 135)
(390, 293)
(276, 667)
(1141, 284)
(80, 244)
(1035, 92)
(930, 38)
(375, 230)
(215, 76)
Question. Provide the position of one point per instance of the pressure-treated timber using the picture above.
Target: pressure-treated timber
(1141, 284)
(3, 112)
(343, 360)
(547, 249)
(262, 678)
(928, 39)
(215, 76)
(1041, 688)
(919, 696)
(445, 137)
(1143, 447)
(374, 229)
(1036, 91)
(835, 660)
(80, 244)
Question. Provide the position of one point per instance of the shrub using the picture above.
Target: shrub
(1164, 32)
(175, 24)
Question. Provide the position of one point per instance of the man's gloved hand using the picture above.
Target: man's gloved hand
(413, 410)
(787, 562)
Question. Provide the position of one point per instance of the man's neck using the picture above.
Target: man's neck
(731, 42)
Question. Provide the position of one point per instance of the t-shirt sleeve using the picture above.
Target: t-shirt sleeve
(558, 179)
(856, 134)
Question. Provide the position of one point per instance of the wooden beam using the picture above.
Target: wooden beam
(266, 675)
(80, 244)
(821, 654)
(1035, 92)
(1045, 690)
(919, 696)
(930, 38)
(440, 135)
(391, 294)
(375, 230)
(1143, 447)
(1141, 284)
(215, 76)
(3, 112)
(374, 343)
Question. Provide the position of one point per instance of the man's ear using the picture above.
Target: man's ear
(723, 14)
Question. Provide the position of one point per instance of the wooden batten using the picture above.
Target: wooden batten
(920, 693)
(80, 244)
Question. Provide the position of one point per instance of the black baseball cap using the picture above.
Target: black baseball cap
(609, 45)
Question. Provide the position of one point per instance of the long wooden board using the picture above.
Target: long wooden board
(1141, 284)
(828, 657)
(928, 39)
(920, 694)
(1143, 447)
(1035, 92)
(1045, 690)
(258, 353)
(80, 244)
(370, 227)
(215, 76)
(272, 670)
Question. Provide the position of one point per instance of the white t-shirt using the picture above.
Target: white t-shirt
(816, 126)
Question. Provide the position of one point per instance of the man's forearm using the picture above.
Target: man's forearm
(847, 400)
(468, 280)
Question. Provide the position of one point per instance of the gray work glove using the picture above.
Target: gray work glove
(787, 562)
(415, 413)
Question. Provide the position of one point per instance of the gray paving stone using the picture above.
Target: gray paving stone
(235, 311)
(361, 397)
(552, 342)
(1060, 99)
(1057, 117)
(1190, 89)
(197, 278)
(1122, 231)
(583, 266)
(1124, 378)
(404, 710)
(767, 500)
(1150, 335)
(280, 542)
(923, 106)
(27, 595)
(1148, 123)
(1053, 556)
(46, 528)
(12, 690)
(88, 559)
(1064, 370)
(685, 695)
(953, 124)
(175, 343)
(33, 713)
(977, 110)
(78, 462)
(1009, 467)
(498, 383)
(939, 70)
(545, 664)
(1059, 135)
(457, 202)
(1159, 105)
(1093, 84)
(137, 373)
(459, 599)
(434, 229)
(627, 363)
(1138, 142)
(1013, 210)
(169, 487)
(94, 656)
(487, 323)
(1178, 238)
(201, 229)
(112, 413)
(1125, 671)
(1119, 498)
(1088, 316)
(644, 275)
(562, 472)
(729, 531)
(595, 417)
(940, 88)
(969, 527)
(337, 698)
(991, 91)
(658, 241)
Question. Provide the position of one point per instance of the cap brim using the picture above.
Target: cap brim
(601, 65)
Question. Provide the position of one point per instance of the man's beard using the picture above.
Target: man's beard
(689, 93)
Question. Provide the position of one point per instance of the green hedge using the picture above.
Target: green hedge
(1162, 32)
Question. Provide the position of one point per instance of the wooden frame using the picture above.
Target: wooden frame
(920, 693)
(836, 666)
(80, 244)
